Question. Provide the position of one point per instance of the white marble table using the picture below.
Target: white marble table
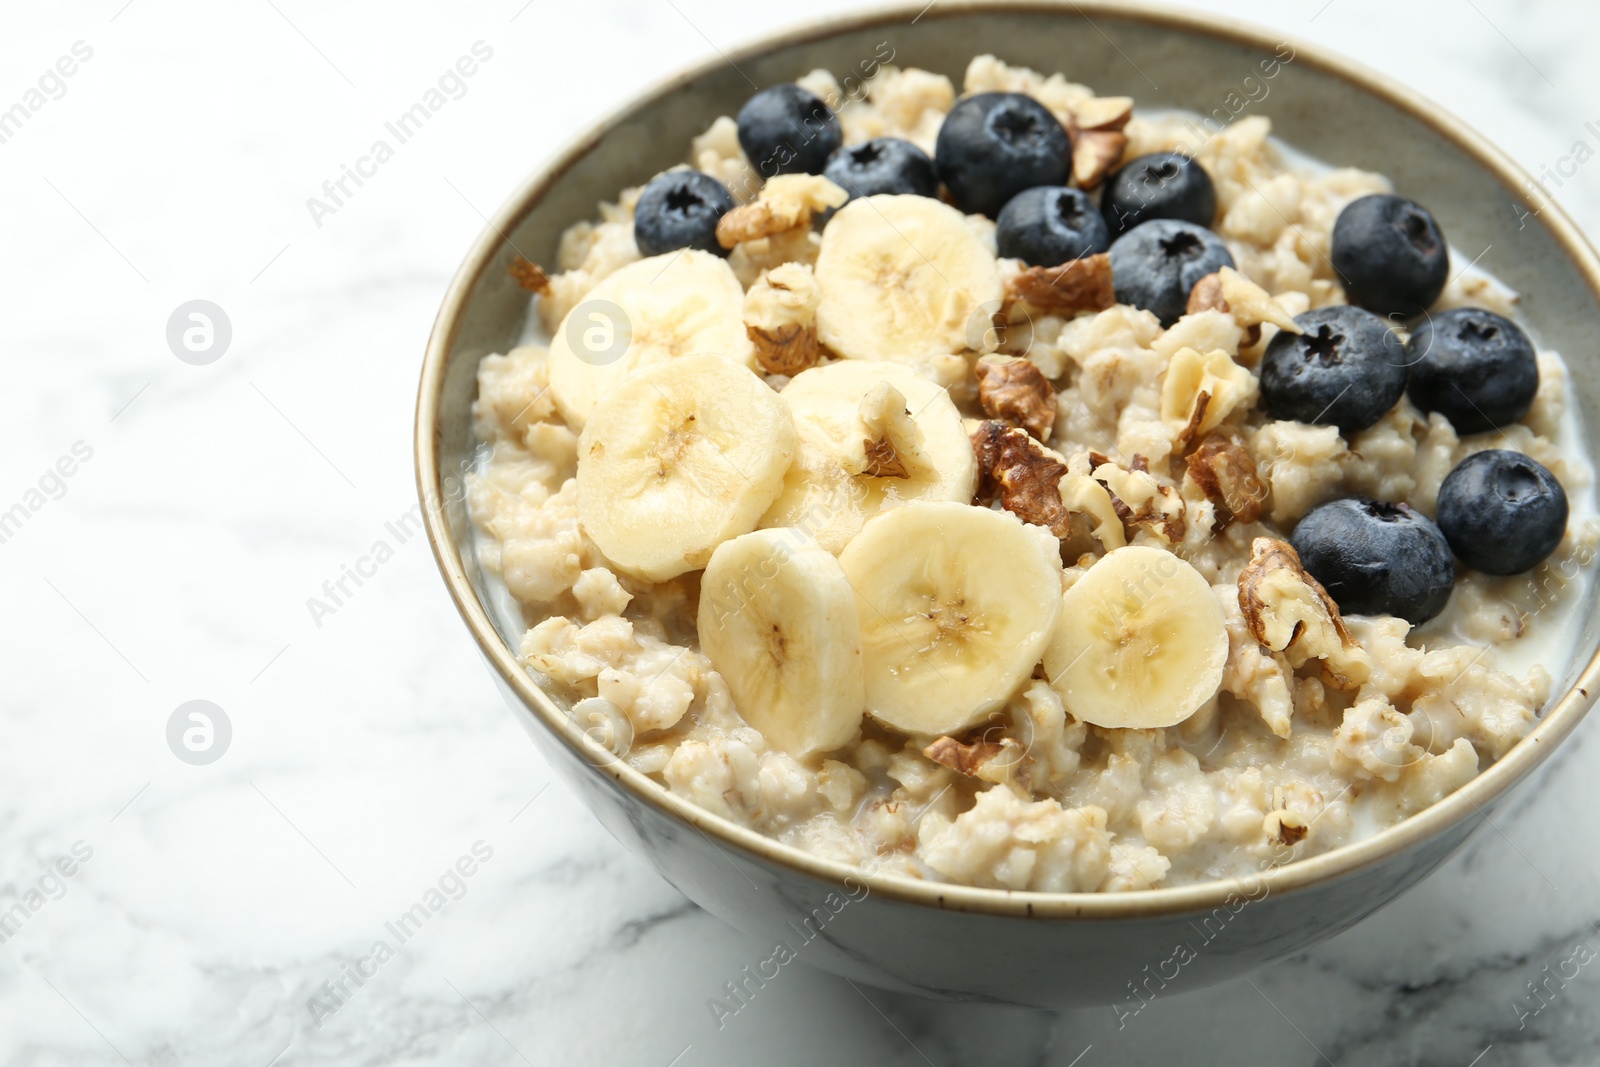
(208, 905)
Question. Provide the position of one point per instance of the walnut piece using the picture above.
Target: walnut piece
(1284, 606)
(1196, 425)
(1206, 295)
(1226, 472)
(1285, 827)
(1025, 477)
(758, 219)
(963, 758)
(1102, 113)
(883, 461)
(1083, 495)
(780, 317)
(1096, 153)
(1141, 500)
(786, 349)
(892, 446)
(530, 276)
(1229, 291)
(786, 202)
(1078, 285)
(1017, 392)
(1199, 392)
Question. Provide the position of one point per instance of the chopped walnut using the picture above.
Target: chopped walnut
(780, 317)
(892, 445)
(1082, 495)
(1008, 765)
(1017, 391)
(1199, 392)
(963, 758)
(882, 461)
(1285, 827)
(1249, 304)
(1287, 610)
(1102, 113)
(1096, 153)
(530, 276)
(1226, 472)
(758, 219)
(784, 352)
(1078, 285)
(1197, 422)
(1022, 474)
(1206, 295)
(785, 203)
(1141, 500)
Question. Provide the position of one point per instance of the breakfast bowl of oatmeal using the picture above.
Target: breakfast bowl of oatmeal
(995, 527)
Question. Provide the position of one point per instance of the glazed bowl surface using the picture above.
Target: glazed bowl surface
(1045, 950)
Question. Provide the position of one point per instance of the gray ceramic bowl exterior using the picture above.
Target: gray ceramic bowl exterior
(1047, 950)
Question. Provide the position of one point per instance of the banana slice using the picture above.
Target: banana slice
(957, 603)
(682, 303)
(860, 450)
(905, 278)
(778, 620)
(678, 459)
(1141, 643)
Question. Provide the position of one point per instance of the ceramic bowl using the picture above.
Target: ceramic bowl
(1047, 950)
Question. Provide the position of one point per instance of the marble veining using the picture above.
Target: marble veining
(211, 906)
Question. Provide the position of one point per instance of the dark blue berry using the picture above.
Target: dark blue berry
(1347, 369)
(994, 145)
(883, 165)
(1049, 225)
(680, 209)
(785, 129)
(1502, 512)
(1155, 264)
(1390, 254)
(1474, 367)
(1163, 185)
(1377, 559)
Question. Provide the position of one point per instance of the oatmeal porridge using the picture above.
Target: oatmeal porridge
(1006, 487)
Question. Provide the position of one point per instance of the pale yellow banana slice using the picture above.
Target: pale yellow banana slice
(682, 303)
(678, 459)
(872, 434)
(1141, 643)
(905, 278)
(957, 603)
(778, 621)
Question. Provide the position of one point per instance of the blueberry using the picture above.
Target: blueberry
(1502, 512)
(1155, 264)
(1347, 369)
(994, 145)
(1390, 254)
(785, 129)
(883, 165)
(1162, 185)
(1474, 367)
(680, 209)
(1377, 559)
(1049, 225)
